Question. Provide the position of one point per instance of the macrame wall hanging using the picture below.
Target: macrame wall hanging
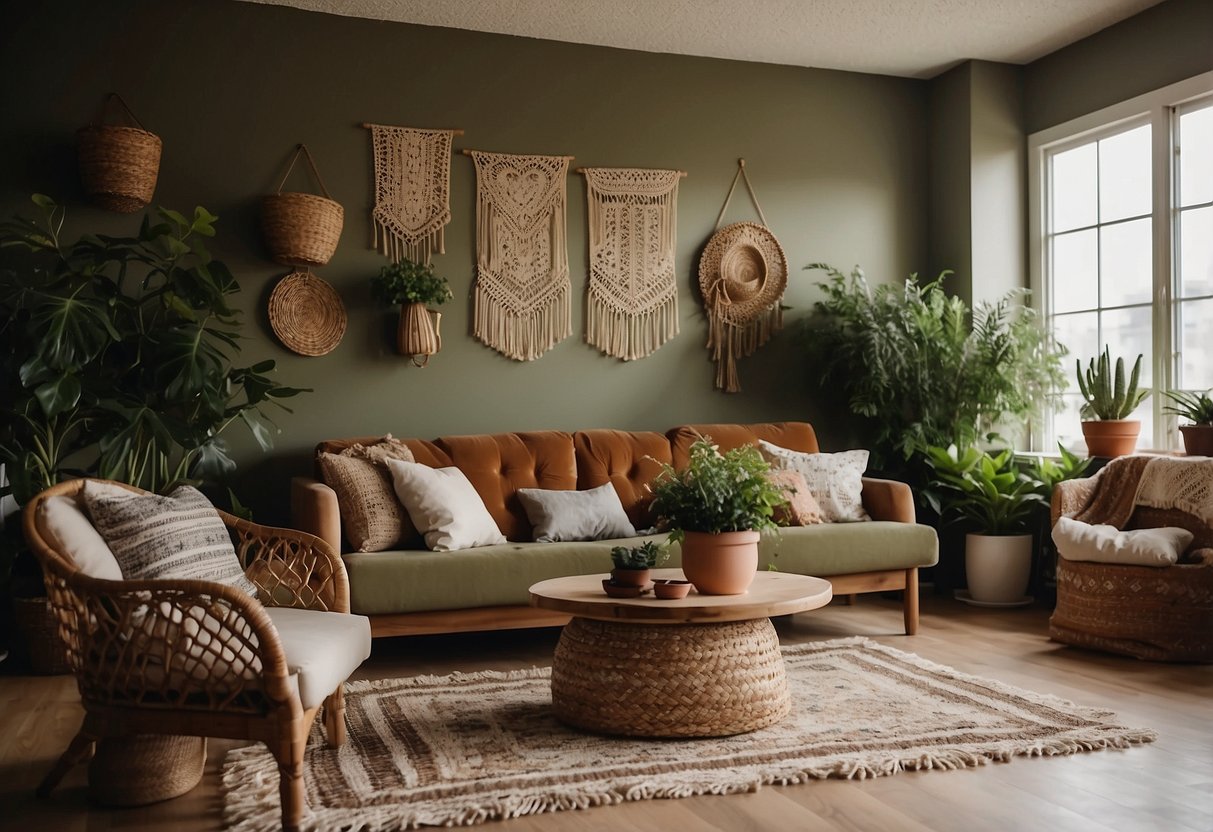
(522, 283)
(633, 295)
(742, 275)
(412, 190)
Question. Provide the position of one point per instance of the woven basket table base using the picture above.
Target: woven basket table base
(145, 768)
(669, 680)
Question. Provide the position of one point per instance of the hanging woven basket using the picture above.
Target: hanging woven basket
(301, 229)
(118, 164)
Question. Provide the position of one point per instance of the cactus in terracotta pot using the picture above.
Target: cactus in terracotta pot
(1108, 401)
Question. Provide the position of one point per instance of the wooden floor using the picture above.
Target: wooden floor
(1164, 786)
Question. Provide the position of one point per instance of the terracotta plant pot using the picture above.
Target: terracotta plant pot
(670, 590)
(1198, 439)
(1111, 437)
(418, 333)
(720, 564)
(630, 577)
(998, 567)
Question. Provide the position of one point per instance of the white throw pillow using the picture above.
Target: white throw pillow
(443, 506)
(834, 480)
(179, 536)
(68, 531)
(1101, 543)
(593, 514)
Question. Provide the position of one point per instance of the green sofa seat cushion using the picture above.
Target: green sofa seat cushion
(501, 575)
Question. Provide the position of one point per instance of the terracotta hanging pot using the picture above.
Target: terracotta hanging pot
(1111, 437)
(720, 564)
(1198, 439)
(418, 335)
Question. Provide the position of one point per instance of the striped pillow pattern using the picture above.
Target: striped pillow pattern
(178, 537)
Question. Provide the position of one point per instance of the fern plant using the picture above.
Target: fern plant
(923, 369)
(1106, 394)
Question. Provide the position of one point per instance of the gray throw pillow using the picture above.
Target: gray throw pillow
(179, 536)
(558, 516)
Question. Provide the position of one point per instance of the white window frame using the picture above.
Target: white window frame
(1157, 109)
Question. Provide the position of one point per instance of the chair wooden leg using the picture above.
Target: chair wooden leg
(78, 751)
(334, 717)
(850, 599)
(288, 752)
(910, 602)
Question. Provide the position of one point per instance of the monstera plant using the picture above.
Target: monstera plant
(117, 355)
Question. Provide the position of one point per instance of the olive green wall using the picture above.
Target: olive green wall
(838, 161)
(1162, 45)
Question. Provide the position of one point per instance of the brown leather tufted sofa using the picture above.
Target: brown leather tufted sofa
(498, 465)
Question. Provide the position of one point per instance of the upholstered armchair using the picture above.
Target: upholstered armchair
(197, 658)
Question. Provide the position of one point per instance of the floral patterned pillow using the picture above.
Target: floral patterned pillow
(834, 480)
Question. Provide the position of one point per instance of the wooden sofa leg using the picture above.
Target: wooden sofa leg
(289, 754)
(334, 717)
(910, 602)
(79, 750)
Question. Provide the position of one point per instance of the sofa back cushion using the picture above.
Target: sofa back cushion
(497, 465)
(627, 460)
(796, 436)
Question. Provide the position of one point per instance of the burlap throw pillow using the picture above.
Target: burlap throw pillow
(371, 516)
(802, 508)
(835, 480)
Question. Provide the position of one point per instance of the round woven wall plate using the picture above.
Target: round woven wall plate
(307, 314)
(743, 272)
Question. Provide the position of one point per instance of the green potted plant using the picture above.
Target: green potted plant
(414, 286)
(716, 507)
(1108, 402)
(116, 356)
(1197, 408)
(999, 503)
(632, 563)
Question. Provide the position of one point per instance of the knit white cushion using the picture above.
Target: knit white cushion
(179, 536)
(68, 531)
(443, 506)
(1102, 543)
(834, 480)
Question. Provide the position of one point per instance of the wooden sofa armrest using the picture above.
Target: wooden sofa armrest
(314, 509)
(291, 568)
(888, 500)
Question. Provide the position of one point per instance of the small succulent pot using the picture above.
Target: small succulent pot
(630, 577)
(671, 589)
(615, 590)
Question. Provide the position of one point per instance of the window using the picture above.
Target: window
(1122, 208)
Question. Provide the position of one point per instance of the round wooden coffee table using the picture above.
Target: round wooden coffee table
(701, 666)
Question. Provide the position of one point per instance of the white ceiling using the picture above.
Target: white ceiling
(911, 38)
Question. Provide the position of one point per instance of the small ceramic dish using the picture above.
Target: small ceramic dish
(670, 589)
(620, 590)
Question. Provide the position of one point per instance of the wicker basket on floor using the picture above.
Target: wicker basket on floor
(40, 631)
(145, 768)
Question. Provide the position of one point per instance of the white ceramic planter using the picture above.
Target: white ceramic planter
(998, 567)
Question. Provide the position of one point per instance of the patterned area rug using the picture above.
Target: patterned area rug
(463, 749)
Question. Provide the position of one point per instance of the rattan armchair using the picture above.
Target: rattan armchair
(196, 658)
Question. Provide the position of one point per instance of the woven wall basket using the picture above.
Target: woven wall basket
(306, 314)
(118, 164)
(301, 229)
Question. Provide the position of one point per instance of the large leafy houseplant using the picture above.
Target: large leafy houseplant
(987, 492)
(922, 369)
(117, 355)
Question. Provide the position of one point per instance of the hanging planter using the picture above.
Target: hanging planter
(414, 286)
(301, 229)
(418, 334)
(119, 164)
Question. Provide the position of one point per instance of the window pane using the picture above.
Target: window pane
(1126, 332)
(1067, 424)
(1080, 335)
(1075, 271)
(1124, 175)
(1196, 157)
(1126, 263)
(1196, 344)
(1196, 252)
(1074, 188)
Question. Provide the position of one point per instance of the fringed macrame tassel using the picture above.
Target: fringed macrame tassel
(630, 336)
(729, 342)
(522, 337)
